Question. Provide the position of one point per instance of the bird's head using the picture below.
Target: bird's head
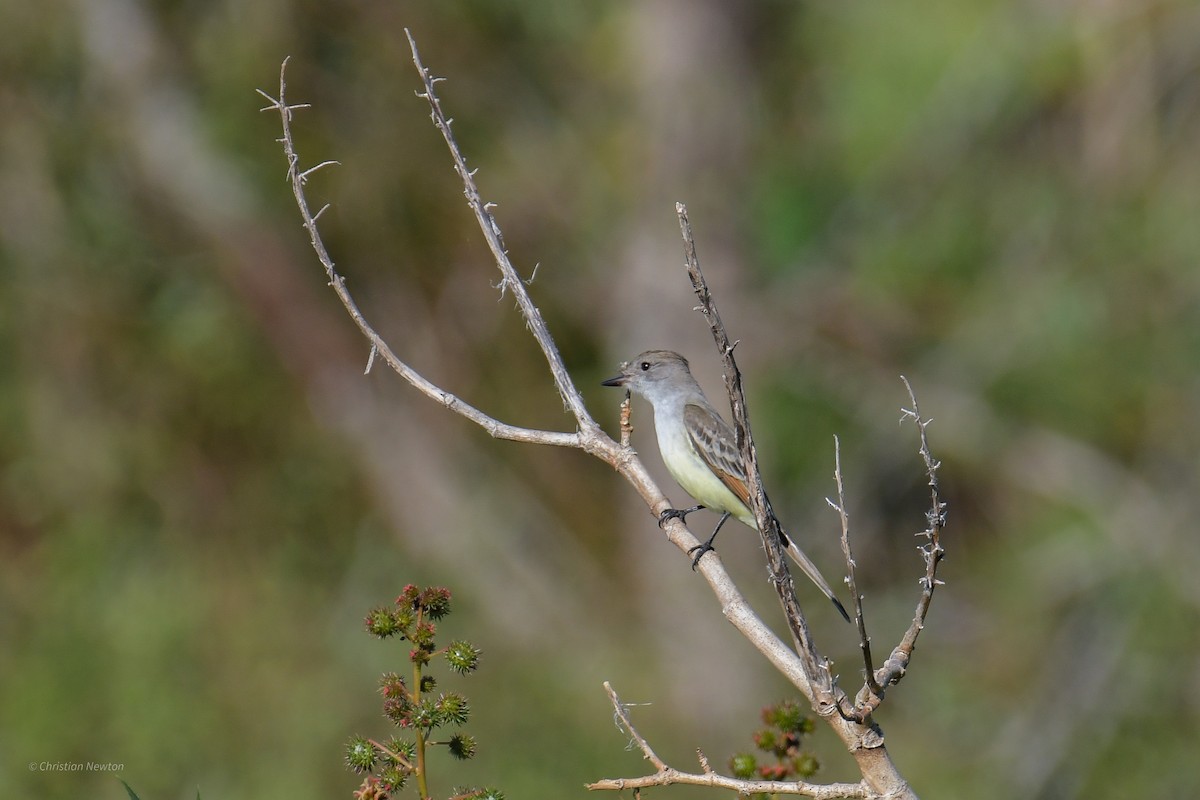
(653, 370)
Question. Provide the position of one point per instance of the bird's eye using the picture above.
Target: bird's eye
(645, 366)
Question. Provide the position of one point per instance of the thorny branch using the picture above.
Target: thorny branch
(932, 552)
(510, 280)
(865, 742)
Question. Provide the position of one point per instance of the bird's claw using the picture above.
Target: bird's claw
(699, 550)
(676, 513)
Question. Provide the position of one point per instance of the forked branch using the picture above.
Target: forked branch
(877, 681)
(378, 347)
(809, 671)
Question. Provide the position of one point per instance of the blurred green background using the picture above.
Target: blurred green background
(201, 494)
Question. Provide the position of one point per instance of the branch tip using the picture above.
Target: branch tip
(303, 176)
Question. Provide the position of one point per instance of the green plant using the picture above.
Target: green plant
(414, 703)
(783, 739)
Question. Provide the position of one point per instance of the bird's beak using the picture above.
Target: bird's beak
(619, 380)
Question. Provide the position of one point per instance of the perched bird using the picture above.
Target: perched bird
(700, 449)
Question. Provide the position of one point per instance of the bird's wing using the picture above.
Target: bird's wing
(716, 444)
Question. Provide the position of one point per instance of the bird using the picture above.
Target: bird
(699, 449)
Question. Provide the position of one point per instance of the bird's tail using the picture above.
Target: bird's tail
(814, 575)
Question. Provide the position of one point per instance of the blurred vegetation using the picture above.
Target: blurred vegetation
(199, 490)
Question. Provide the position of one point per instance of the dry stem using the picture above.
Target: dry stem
(665, 775)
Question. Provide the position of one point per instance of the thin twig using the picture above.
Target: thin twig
(851, 577)
(665, 775)
(626, 419)
(621, 713)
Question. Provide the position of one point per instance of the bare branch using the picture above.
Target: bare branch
(931, 552)
(621, 715)
(666, 775)
(851, 578)
(304, 178)
(379, 347)
(491, 233)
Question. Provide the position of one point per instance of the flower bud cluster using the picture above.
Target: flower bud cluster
(411, 704)
(782, 739)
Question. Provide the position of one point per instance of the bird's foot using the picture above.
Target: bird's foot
(700, 550)
(676, 513)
